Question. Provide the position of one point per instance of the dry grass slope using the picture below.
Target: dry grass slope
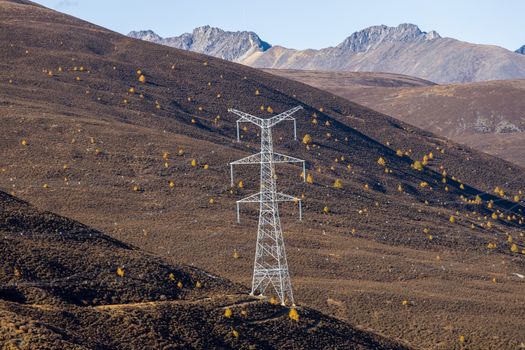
(487, 116)
(67, 286)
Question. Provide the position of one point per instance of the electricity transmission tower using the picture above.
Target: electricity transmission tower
(270, 266)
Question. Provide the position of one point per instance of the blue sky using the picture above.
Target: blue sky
(308, 24)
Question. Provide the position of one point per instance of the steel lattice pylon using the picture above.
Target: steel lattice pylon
(270, 266)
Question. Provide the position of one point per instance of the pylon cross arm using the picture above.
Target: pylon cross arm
(283, 116)
(281, 197)
(264, 197)
(283, 158)
(254, 198)
(278, 197)
(247, 118)
(277, 158)
(251, 159)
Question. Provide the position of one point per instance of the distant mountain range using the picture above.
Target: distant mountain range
(231, 46)
(404, 49)
(521, 50)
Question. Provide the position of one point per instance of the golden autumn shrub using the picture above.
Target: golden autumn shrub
(293, 314)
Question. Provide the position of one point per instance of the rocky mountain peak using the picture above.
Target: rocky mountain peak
(521, 50)
(370, 37)
(147, 35)
(232, 46)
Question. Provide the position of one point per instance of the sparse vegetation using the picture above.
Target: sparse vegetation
(294, 315)
(120, 272)
(309, 179)
(307, 139)
(417, 165)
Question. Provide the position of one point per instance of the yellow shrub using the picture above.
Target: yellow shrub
(417, 165)
(307, 139)
(193, 162)
(381, 161)
(294, 315)
(338, 183)
(228, 313)
(120, 272)
(142, 78)
(309, 179)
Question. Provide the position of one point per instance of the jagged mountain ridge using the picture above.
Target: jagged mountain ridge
(404, 49)
(369, 38)
(231, 46)
(521, 50)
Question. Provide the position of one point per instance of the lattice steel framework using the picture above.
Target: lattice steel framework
(270, 266)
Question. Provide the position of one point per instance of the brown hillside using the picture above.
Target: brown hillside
(386, 257)
(487, 116)
(67, 286)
